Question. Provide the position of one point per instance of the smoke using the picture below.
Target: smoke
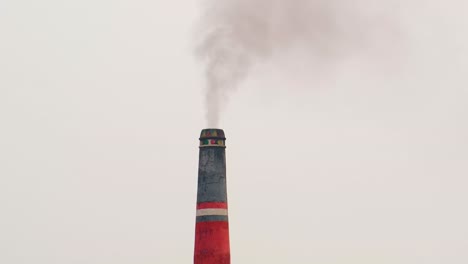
(236, 34)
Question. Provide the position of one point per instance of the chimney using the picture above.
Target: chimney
(212, 226)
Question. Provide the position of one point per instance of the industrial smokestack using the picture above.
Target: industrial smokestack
(212, 226)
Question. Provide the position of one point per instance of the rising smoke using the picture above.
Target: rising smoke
(235, 34)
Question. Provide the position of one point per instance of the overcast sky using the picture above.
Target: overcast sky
(361, 159)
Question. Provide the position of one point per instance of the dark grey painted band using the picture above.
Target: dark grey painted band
(212, 175)
(212, 218)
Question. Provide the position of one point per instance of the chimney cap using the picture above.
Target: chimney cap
(212, 133)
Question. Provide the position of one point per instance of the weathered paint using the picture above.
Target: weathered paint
(212, 218)
(212, 138)
(212, 226)
(211, 205)
(212, 211)
(212, 243)
(212, 175)
(212, 143)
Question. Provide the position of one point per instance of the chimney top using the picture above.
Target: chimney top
(212, 133)
(212, 137)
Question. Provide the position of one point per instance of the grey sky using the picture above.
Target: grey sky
(362, 159)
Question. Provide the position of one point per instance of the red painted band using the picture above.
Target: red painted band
(212, 243)
(217, 205)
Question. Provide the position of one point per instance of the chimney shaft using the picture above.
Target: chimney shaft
(212, 227)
